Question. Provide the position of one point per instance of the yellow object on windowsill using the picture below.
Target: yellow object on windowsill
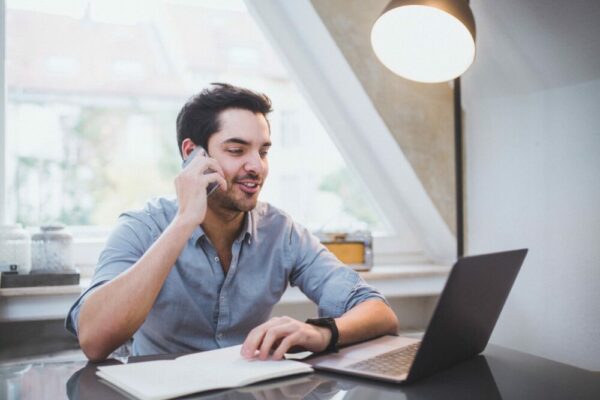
(355, 249)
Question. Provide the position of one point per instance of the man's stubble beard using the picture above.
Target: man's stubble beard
(227, 202)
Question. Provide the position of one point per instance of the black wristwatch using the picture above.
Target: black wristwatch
(328, 323)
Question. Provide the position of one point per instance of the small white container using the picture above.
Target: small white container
(15, 249)
(52, 250)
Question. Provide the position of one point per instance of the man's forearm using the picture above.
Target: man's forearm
(368, 319)
(112, 314)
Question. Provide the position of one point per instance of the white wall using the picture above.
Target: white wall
(533, 178)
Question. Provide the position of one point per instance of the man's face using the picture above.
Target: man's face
(241, 148)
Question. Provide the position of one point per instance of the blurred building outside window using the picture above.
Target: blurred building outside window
(93, 90)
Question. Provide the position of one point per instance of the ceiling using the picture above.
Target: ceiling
(532, 45)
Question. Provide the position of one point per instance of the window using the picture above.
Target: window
(93, 90)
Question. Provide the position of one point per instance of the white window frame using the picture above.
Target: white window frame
(322, 73)
(3, 217)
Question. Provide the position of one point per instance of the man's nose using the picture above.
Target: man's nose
(254, 163)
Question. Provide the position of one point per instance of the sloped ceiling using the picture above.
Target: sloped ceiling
(550, 43)
(418, 115)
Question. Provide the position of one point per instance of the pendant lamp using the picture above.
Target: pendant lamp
(425, 40)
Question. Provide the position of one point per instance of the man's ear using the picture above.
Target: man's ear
(187, 146)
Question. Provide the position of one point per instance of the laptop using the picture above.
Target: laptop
(460, 326)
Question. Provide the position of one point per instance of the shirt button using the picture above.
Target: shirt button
(217, 259)
(222, 298)
(219, 336)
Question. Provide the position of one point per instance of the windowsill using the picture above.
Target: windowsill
(53, 302)
(41, 291)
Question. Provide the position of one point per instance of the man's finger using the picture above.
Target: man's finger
(215, 177)
(201, 163)
(286, 344)
(255, 337)
(215, 166)
(252, 341)
(274, 334)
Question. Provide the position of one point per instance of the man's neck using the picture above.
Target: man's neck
(222, 227)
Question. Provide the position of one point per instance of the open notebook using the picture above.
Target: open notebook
(198, 372)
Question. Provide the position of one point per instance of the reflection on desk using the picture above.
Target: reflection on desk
(498, 374)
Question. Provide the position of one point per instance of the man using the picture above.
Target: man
(199, 272)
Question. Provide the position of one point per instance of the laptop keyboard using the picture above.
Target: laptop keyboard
(394, 363)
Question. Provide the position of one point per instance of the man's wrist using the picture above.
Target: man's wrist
(325, 335)
(330, 325)
(182, 223)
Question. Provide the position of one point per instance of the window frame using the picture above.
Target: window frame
(376, 158)
(319, 68)
(3, 186)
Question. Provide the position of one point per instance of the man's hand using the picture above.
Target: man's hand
(190, 186)
(369, 319)
(280, 334)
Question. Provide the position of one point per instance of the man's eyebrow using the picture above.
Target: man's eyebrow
(236, 140)
(243, 142)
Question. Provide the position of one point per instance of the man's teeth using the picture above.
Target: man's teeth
(250, 185)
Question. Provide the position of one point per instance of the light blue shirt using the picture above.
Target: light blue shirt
(199, 306)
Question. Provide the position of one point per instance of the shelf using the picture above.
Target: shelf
(53, 302)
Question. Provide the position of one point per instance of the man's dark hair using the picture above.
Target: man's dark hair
(199, 117)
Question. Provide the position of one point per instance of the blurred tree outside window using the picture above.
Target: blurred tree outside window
(93, 90)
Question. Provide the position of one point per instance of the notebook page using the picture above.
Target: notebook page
(216, 369)
(239, 371)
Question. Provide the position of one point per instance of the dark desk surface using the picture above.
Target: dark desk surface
(497, 374)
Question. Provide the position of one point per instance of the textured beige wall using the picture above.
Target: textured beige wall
(419, 115)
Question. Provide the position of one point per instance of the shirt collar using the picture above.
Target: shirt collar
(248, 232)
(197, 234)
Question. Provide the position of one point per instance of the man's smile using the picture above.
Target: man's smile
(249, 186)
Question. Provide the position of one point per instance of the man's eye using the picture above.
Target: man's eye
(264, 153)
(235, 151)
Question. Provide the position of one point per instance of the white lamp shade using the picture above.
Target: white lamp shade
(423, 43)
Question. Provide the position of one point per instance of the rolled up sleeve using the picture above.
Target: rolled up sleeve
(334, 287)
(125, 246)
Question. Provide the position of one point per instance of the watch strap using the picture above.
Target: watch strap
(330, 324)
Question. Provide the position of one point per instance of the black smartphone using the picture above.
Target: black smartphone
(210, 189)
